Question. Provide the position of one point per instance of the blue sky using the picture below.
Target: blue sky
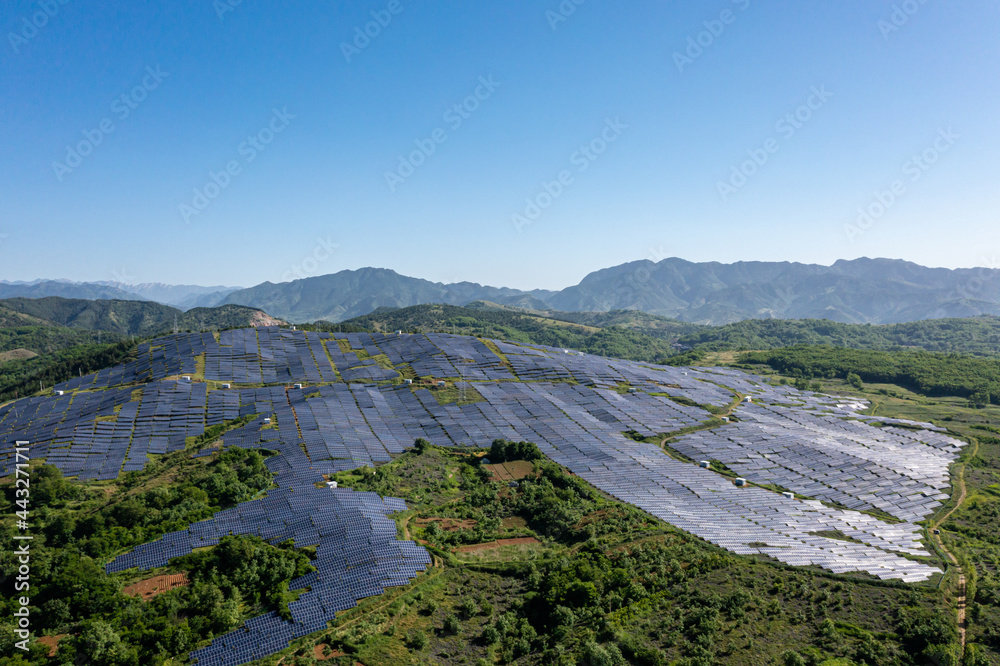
(586, 135)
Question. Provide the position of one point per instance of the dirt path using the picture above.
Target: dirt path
(436, 569)
(727, 413)
(960, 482)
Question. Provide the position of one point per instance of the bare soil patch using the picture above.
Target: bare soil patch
(318, 653)
(511, 471)
(19, 354)
(495, 544)
(149, 588)
(52, 642)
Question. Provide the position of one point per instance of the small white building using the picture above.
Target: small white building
(725, 418)
(441, 383)
(298, 386)
(226, 386)
(705, 464)
(332, 485)
(186, 378)
(788, 495)
(60, 392)
(407, 381)
(740, 482)
(748, 399)
(267, 420)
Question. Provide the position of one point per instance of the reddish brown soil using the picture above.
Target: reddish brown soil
(52, 642)
(149, 588)
(318, 652)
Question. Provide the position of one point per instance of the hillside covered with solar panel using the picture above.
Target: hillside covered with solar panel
(819, 483)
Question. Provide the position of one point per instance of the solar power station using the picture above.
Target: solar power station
(835, 470)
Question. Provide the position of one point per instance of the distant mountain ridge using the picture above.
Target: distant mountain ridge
(65, 289)
(878, 291)
(350, 294)
(183, 296)
(858, 291)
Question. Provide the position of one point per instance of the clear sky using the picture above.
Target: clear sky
(254, 141)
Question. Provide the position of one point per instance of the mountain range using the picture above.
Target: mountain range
(878, 291)
(184, 296)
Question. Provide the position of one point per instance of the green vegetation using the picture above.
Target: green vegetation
(51, 339)
(21, 378)
(641, 336)
(970, 532)
(927, 373)
(503, 451)
(518, 326)
(979, 336)
(78, 527)
(553, 572)
(547, 570)
(139, 318)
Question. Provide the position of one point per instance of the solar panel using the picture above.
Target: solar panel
(357, 413)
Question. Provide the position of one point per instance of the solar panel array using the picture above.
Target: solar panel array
(827, 457)
(353, 411)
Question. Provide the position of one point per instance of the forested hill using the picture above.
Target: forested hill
(589, 331)
(976, 335)
(140, 318)
(52, 339)
(617, 341)
(927, 373)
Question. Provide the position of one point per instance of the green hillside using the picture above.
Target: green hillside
(50, 340)
(516, 325)
(927, 373)
(976, 335)
(140, 318)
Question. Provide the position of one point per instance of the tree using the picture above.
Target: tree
(417, 640)
(421, 445)
(99, 644)
(792, 658)
(979, 399)
(227, 615)
(854, 379)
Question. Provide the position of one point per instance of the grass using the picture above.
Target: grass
(971, 531)
(791, 602)
(454, 395)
